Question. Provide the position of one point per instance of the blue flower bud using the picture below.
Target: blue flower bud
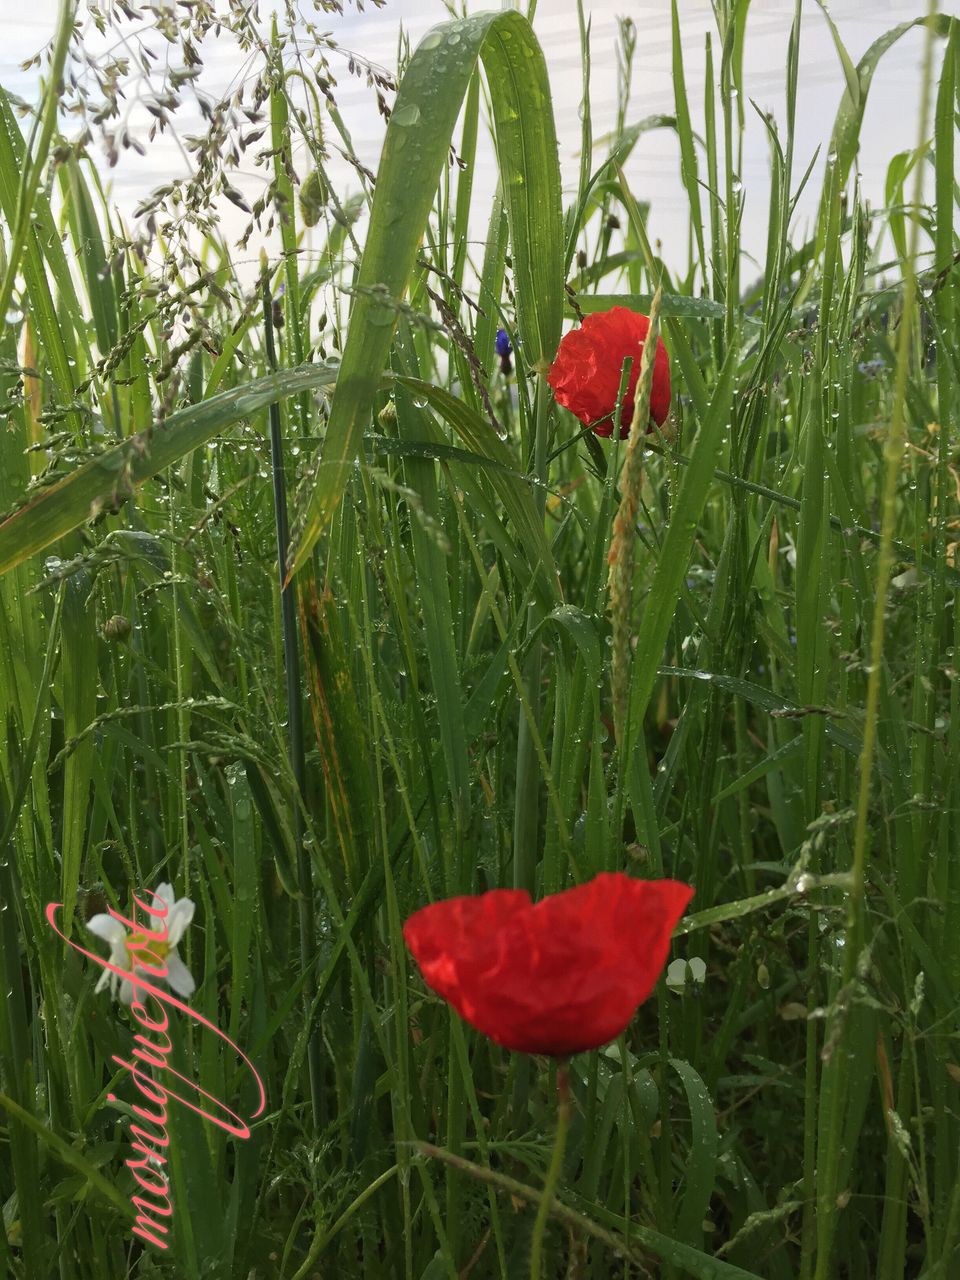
(504, 348)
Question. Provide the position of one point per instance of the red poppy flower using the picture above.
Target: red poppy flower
(558, 976)
(585, 376)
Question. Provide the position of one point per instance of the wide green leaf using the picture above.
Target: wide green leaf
(417, 143)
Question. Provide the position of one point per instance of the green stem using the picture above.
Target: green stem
(294, 707)
(553, 1173)
(893, 453)
(323, 1237)
(526, 820)
(828, 1155)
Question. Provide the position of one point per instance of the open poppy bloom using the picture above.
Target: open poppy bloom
(585, 376)
(558, 976)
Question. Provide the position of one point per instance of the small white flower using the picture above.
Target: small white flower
(679, 971)
(179, 914)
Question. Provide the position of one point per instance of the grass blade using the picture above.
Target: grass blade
(418, 139)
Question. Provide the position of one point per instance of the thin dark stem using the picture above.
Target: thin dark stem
(291, 660)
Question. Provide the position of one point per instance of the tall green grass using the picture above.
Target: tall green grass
(792, 736)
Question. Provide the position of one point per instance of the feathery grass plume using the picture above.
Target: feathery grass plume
(620, 555)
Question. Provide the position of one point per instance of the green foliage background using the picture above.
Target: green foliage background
(793, 740)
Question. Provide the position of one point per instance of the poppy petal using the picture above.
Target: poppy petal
(559, 976)
(585, 376)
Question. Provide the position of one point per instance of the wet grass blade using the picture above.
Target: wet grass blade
(675, 550)
(417, 140)
(116, 473)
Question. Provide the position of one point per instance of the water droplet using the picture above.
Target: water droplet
(406, 115)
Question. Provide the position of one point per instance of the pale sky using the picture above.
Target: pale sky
(653, 170)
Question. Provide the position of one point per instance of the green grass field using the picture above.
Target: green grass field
(428, 709)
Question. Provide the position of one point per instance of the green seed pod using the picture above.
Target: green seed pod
(313, 197)
(763, 976)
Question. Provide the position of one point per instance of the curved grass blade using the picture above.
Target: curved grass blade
(31, 171)
(601, 1223)
(671, 304)
(91, 252)
(117, 472)
(69, 1156)
(417, 142)
(845, 138)
(702, 1162)
(778, 705)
